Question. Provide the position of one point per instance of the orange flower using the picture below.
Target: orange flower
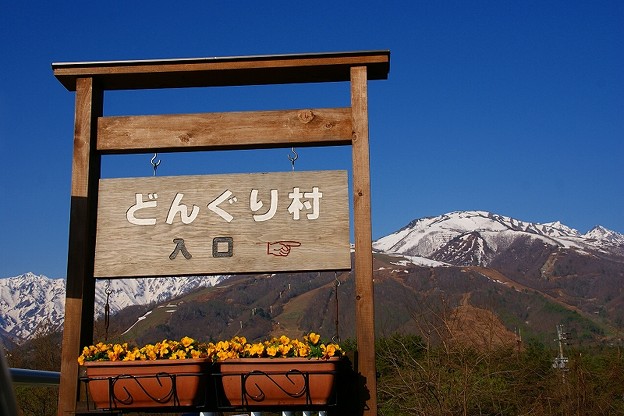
(284, 349)
(187, 341)
(271, 351)
(313, 338)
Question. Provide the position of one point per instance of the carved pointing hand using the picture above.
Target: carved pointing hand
(281, 248)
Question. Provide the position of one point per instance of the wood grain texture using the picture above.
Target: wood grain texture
(364, 290)
(140, 242)
(225, 130)
(224, 71)
(80, 288)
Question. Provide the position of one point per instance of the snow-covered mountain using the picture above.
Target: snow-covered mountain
(583, 273)
(29, 302)
(474, 237)
(521, 249)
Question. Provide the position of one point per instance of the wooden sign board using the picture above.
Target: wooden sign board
(221, 224)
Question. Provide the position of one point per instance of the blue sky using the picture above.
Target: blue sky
(513, 107)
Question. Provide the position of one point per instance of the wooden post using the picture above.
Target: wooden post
(80, 291)
(364, 297)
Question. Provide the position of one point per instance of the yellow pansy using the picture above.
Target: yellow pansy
(271, 351)
(187, 341)
(314, 338)
(236, 347)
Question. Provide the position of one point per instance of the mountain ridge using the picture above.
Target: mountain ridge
(421, 237)
(28, 301)
(579, 271)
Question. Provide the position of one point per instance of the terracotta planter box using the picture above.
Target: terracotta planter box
(278, 382)
(148, 384)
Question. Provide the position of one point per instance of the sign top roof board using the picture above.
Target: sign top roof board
(224, 71)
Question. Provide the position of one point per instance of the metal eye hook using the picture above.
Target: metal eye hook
(293, 158)
(155, 163)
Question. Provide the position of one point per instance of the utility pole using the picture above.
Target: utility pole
(561, 361)
(518, 341)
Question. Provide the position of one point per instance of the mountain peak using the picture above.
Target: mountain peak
(559, 229)
(30, 276)
(602, 234)
(430, 236)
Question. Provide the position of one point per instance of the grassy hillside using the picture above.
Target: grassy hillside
(409, 299)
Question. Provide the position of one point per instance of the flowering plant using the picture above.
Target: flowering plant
(166, 349)
(278, 347)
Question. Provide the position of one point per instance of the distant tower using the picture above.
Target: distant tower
(518, 340)
(561, 361)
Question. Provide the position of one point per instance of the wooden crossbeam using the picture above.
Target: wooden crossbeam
(257, 129)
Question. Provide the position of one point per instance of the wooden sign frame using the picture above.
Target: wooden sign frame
(95, 135)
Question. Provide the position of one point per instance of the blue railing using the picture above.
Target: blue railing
(35, 377)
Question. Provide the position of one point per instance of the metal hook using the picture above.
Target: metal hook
(108, 292)
(293, 158)
(336, 337)
(155, 163)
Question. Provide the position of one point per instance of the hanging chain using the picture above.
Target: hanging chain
(336, 337)
(155, 163)
(293, 158)
(108, 292)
